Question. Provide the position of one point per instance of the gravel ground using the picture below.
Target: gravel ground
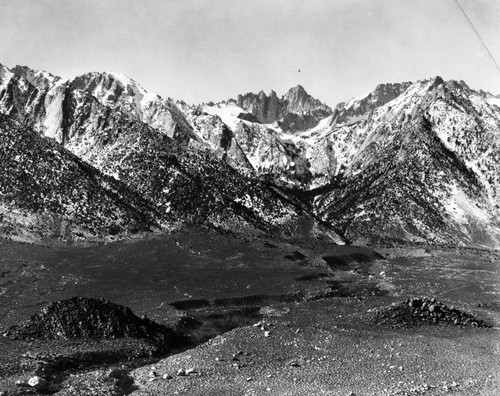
(315, 332)
(313, 350)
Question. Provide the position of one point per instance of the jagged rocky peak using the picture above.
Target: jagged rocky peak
(129, 97)
(384, 93)
(298, 101)
(487, 94)
(265, 108)
(462, 87)
(38, 78)
(297, 90)
(438, 80)
(297, 94)
(294, 111)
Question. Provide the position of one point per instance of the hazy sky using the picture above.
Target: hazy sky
(212, 50)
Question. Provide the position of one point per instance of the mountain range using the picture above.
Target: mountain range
(97, 156)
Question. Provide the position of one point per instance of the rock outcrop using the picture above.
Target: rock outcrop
(424, 311)
(81, 317)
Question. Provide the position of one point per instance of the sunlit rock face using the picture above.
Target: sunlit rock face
(59, 109)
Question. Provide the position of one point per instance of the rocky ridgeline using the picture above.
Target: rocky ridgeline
(81, 317)
(294, 111)
(351, 111)
(422, 311)
(59, 108)
(400, 191)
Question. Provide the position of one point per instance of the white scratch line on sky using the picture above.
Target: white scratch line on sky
(478, 35)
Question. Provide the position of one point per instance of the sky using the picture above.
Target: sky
(213, 50)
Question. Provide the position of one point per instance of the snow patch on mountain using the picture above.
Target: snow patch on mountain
(53, 120)
(228, 113)
(462, 208)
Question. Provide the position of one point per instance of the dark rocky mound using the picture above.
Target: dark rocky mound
(81, 317)
(420, 311)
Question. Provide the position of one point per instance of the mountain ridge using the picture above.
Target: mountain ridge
(295, 111)
(294, 141)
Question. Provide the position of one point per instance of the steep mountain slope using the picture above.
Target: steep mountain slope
(266, 149)
(127, 96)
(216, 136)
(45, 191)
(362, 107)
(254, 133)
(48, 192)
(190, 184)
(490, 98)
(64, 110)
(423, 166)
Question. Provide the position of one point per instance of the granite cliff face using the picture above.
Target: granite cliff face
(267, 152)
(265, 108)
(58, 108)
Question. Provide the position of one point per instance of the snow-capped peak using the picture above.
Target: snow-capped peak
(115, 89)
(228, 113)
